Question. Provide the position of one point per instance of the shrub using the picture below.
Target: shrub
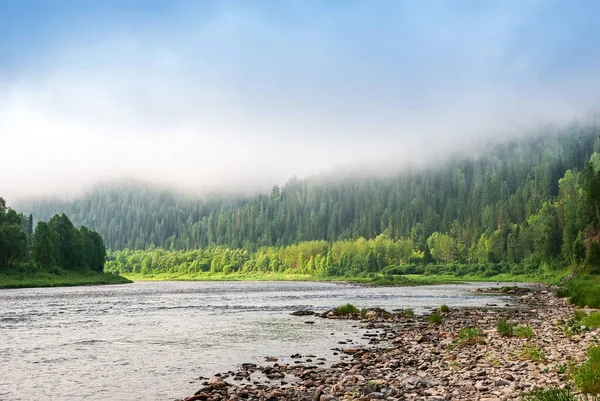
(470, 336)
(506, 328)
(347, 309)
(410, 313)
(524, 331)
(587, 375)
(532, 353)
(444, 308)
(435, 318)
(363, 313)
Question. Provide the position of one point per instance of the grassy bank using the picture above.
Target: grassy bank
(373, 279)
(27, 278)
(583, 291)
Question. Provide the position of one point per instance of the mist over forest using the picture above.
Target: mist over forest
(229, 97)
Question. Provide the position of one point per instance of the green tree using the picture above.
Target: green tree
(43, 251)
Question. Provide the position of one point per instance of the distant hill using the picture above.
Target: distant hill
(466, 197)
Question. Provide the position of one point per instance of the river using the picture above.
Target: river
(153, 340)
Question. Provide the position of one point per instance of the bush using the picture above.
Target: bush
(347, 309)
(587, 375)
(524, 331)
(409, 313)
(505, 328)
(470, 336)
(444, 308)
(435, 318)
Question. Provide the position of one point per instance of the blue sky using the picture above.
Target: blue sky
(247, 93)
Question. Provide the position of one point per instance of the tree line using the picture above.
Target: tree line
(527, 202)
(54, 246)
(552, 238)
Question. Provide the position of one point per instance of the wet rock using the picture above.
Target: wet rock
(302, 313)
(413, 360)
(198, 397)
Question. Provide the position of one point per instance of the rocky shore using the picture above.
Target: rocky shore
(409, 358)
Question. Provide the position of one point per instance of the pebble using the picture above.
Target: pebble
(411, 359)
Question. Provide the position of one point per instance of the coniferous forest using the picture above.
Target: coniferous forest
(525, 206)
(55, 253)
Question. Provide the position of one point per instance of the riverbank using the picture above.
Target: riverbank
(374, 279)
(32, 279)
(463, 357)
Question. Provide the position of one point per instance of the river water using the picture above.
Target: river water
(151, 340)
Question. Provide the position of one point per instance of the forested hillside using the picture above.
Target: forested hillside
(467, 197)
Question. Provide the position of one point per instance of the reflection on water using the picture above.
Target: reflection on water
(149, 340)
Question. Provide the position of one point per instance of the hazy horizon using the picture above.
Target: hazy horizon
(235, 96)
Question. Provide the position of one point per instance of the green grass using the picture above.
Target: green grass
(28, 278)
(524, 331)
(583, 291)
(444, 308)
(347, 309)
(435, 318)
(587, 375)
(552, 278)
(556, 394)
(575, 325)
(579, 315)
(374, 279)
(505, 328)
(532, 353)
(592, 320)
(470, 336)
(254, 276)
(409, 313)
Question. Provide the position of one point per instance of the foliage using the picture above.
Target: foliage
(505, 328)
(347, 309)
(579, 315)
(524, 331)
(533, 353)
(33, 277)
(54, 247)
(435, 318)
(409, 313)
(470, 336)
(556, 394)
(587, 376)
(584, 291)
(592, 320)
(13, 240)
(444, 308)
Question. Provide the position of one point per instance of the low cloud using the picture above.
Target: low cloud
(239, 98)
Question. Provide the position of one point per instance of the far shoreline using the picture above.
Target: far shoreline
(395, 281)
(45, 279)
